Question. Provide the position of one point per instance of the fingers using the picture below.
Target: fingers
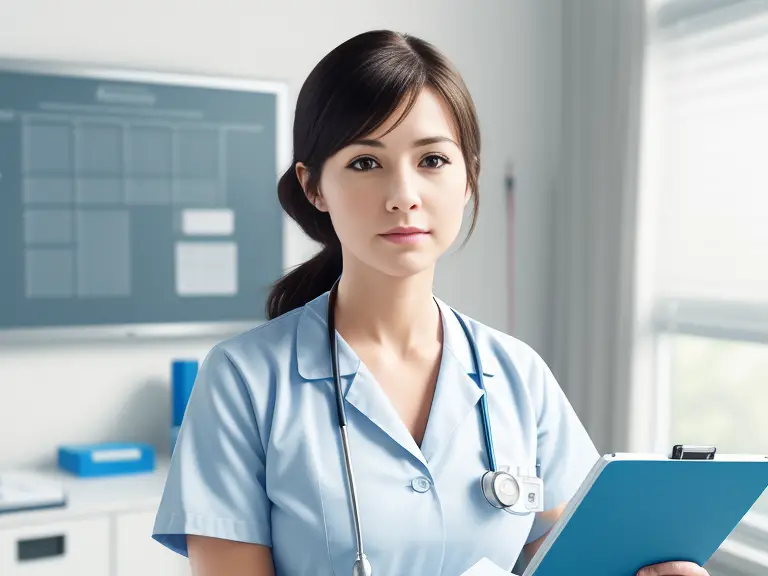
(673, 569)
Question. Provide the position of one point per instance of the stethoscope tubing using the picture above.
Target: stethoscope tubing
(342, 416)
(361, 565)
(490, 452)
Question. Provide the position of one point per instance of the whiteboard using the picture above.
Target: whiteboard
(137, 202)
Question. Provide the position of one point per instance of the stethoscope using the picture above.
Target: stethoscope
(501, 489)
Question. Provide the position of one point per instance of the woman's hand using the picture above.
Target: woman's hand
(673, 569)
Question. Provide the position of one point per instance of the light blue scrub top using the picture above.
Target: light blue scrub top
(259, 456)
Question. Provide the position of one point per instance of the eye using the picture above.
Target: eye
(434, 161)
(364, 164)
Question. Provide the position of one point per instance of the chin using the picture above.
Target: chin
(407, 265)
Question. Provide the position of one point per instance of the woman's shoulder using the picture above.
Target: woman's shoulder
(516, 362)
(254, 366)
(273, 339)
(498, 339)
(269, 350)
(507, 352)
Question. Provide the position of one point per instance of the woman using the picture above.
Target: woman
(386, 157)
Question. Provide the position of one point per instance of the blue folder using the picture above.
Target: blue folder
(636, 510)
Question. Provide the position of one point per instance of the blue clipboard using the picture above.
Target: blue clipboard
(634, 510)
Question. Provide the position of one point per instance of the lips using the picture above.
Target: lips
(403, 230)
(405, 235)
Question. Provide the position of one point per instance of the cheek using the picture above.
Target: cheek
(352, 212)
(452, 218)
(451, 205)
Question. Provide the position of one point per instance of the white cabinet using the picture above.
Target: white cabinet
(104, 530)
(137, 554)
(66, 548)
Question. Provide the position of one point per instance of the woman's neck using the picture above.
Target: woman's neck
(398, 313)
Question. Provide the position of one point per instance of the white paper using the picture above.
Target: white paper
(206, 268)
(20, 490)
(198, 222)
(486, 568)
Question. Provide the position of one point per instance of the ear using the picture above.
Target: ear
(467, 195)
(314, 196)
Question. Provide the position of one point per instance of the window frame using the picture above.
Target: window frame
(745, 551)
(659, 319)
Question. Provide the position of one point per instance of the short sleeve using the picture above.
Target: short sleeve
(565, 451)
(216, 482)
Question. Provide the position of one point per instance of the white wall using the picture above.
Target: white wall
(509, 54)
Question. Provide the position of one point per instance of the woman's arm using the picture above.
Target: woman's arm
(214, 557)
(549, 517)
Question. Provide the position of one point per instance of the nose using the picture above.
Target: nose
(404, 195)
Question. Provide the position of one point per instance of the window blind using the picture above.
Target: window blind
(706, 151)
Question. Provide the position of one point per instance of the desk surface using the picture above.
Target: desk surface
(86, 496)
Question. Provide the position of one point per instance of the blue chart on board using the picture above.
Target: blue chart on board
(127, 202)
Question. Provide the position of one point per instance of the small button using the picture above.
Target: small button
(420, 484)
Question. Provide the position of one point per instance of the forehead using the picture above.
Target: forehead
(429, 116)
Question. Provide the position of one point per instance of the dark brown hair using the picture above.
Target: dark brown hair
(351, 92)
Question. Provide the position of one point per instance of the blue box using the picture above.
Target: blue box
(107, 459)
(183, 376)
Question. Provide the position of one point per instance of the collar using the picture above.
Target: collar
(313, 353)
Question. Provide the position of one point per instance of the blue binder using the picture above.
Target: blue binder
(635, 510)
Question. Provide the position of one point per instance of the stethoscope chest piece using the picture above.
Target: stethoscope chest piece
(519, 495)
(362, 567)
(501, 489)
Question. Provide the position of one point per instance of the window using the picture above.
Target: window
(703, 236)
(714, 396)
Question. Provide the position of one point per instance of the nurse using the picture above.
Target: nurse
(386, 159)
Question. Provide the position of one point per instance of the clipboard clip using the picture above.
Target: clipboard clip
(689, 452)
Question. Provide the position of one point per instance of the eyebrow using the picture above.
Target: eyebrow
(416, 143)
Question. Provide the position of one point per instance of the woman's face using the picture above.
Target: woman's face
(397, 199)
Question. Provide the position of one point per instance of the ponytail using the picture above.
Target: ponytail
(317, 275)
(305, 283)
